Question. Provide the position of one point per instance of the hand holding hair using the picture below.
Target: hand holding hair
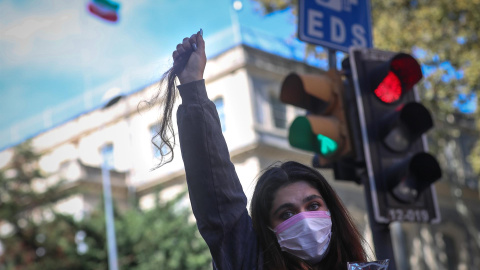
(189, 62)
(190, 54)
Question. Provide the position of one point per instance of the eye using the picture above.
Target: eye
(286, 215)
(313, 206)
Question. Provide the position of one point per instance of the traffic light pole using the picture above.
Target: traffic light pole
(382, 239)
(332, 59)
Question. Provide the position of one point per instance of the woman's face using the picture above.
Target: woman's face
(293, 199)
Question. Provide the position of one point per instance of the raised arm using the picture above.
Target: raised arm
(218, 201)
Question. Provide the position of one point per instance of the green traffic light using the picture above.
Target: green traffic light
(301, 136)
(327, 145)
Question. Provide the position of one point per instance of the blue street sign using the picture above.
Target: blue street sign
(335, 24)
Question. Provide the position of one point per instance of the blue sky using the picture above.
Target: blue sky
(53, 52)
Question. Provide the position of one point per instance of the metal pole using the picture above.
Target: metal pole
(398, 238)
(332, 59)
(235, 26)
(382, 240)
(107, 195)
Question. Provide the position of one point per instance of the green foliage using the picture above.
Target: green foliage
(439, 32)
(32, 237)
(164, 237)
(269, 6)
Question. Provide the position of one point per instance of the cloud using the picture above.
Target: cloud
(25, 29)
(32, 36)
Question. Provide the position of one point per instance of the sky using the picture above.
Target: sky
(58, 59)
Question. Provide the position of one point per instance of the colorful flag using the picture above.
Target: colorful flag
(105, 9)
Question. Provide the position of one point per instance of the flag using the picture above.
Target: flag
(105, 9)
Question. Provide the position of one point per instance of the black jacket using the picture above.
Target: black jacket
(218, 201)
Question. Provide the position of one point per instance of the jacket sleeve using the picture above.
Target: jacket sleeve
(217, 198)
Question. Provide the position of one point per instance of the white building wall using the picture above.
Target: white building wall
(234, 89)
(248, 172)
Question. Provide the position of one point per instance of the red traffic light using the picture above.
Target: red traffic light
(390, 89)
(396, 77)
(392, 122)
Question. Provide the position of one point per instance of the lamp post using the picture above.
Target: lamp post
(109, 219)
(107, 195)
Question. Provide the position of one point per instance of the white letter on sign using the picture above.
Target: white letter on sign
(331, 4)
(314, 22)
(337, 30)
(359, 33)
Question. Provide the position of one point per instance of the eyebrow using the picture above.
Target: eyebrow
(305, 200)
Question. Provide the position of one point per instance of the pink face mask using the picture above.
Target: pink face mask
(306, 235)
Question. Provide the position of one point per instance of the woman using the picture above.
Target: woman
(297, 221)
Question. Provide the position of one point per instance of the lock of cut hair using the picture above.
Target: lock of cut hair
(167, 95)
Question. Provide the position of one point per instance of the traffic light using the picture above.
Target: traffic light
(393, 124)
(324, 129)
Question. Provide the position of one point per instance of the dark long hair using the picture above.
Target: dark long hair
(346, 241)
(167, 95)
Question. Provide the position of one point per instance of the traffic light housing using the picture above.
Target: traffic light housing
(324, 130)
(400, 171)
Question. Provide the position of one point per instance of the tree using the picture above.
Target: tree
(444, 35)
(34, 236)
(31, 236)
(163, 236)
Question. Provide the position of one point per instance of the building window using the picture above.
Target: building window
(157, 153)
(221, 112)
(279, 112)
(107, 155)
(64, 166)
(260, 100)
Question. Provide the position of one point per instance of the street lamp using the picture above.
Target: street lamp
(107, 193)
